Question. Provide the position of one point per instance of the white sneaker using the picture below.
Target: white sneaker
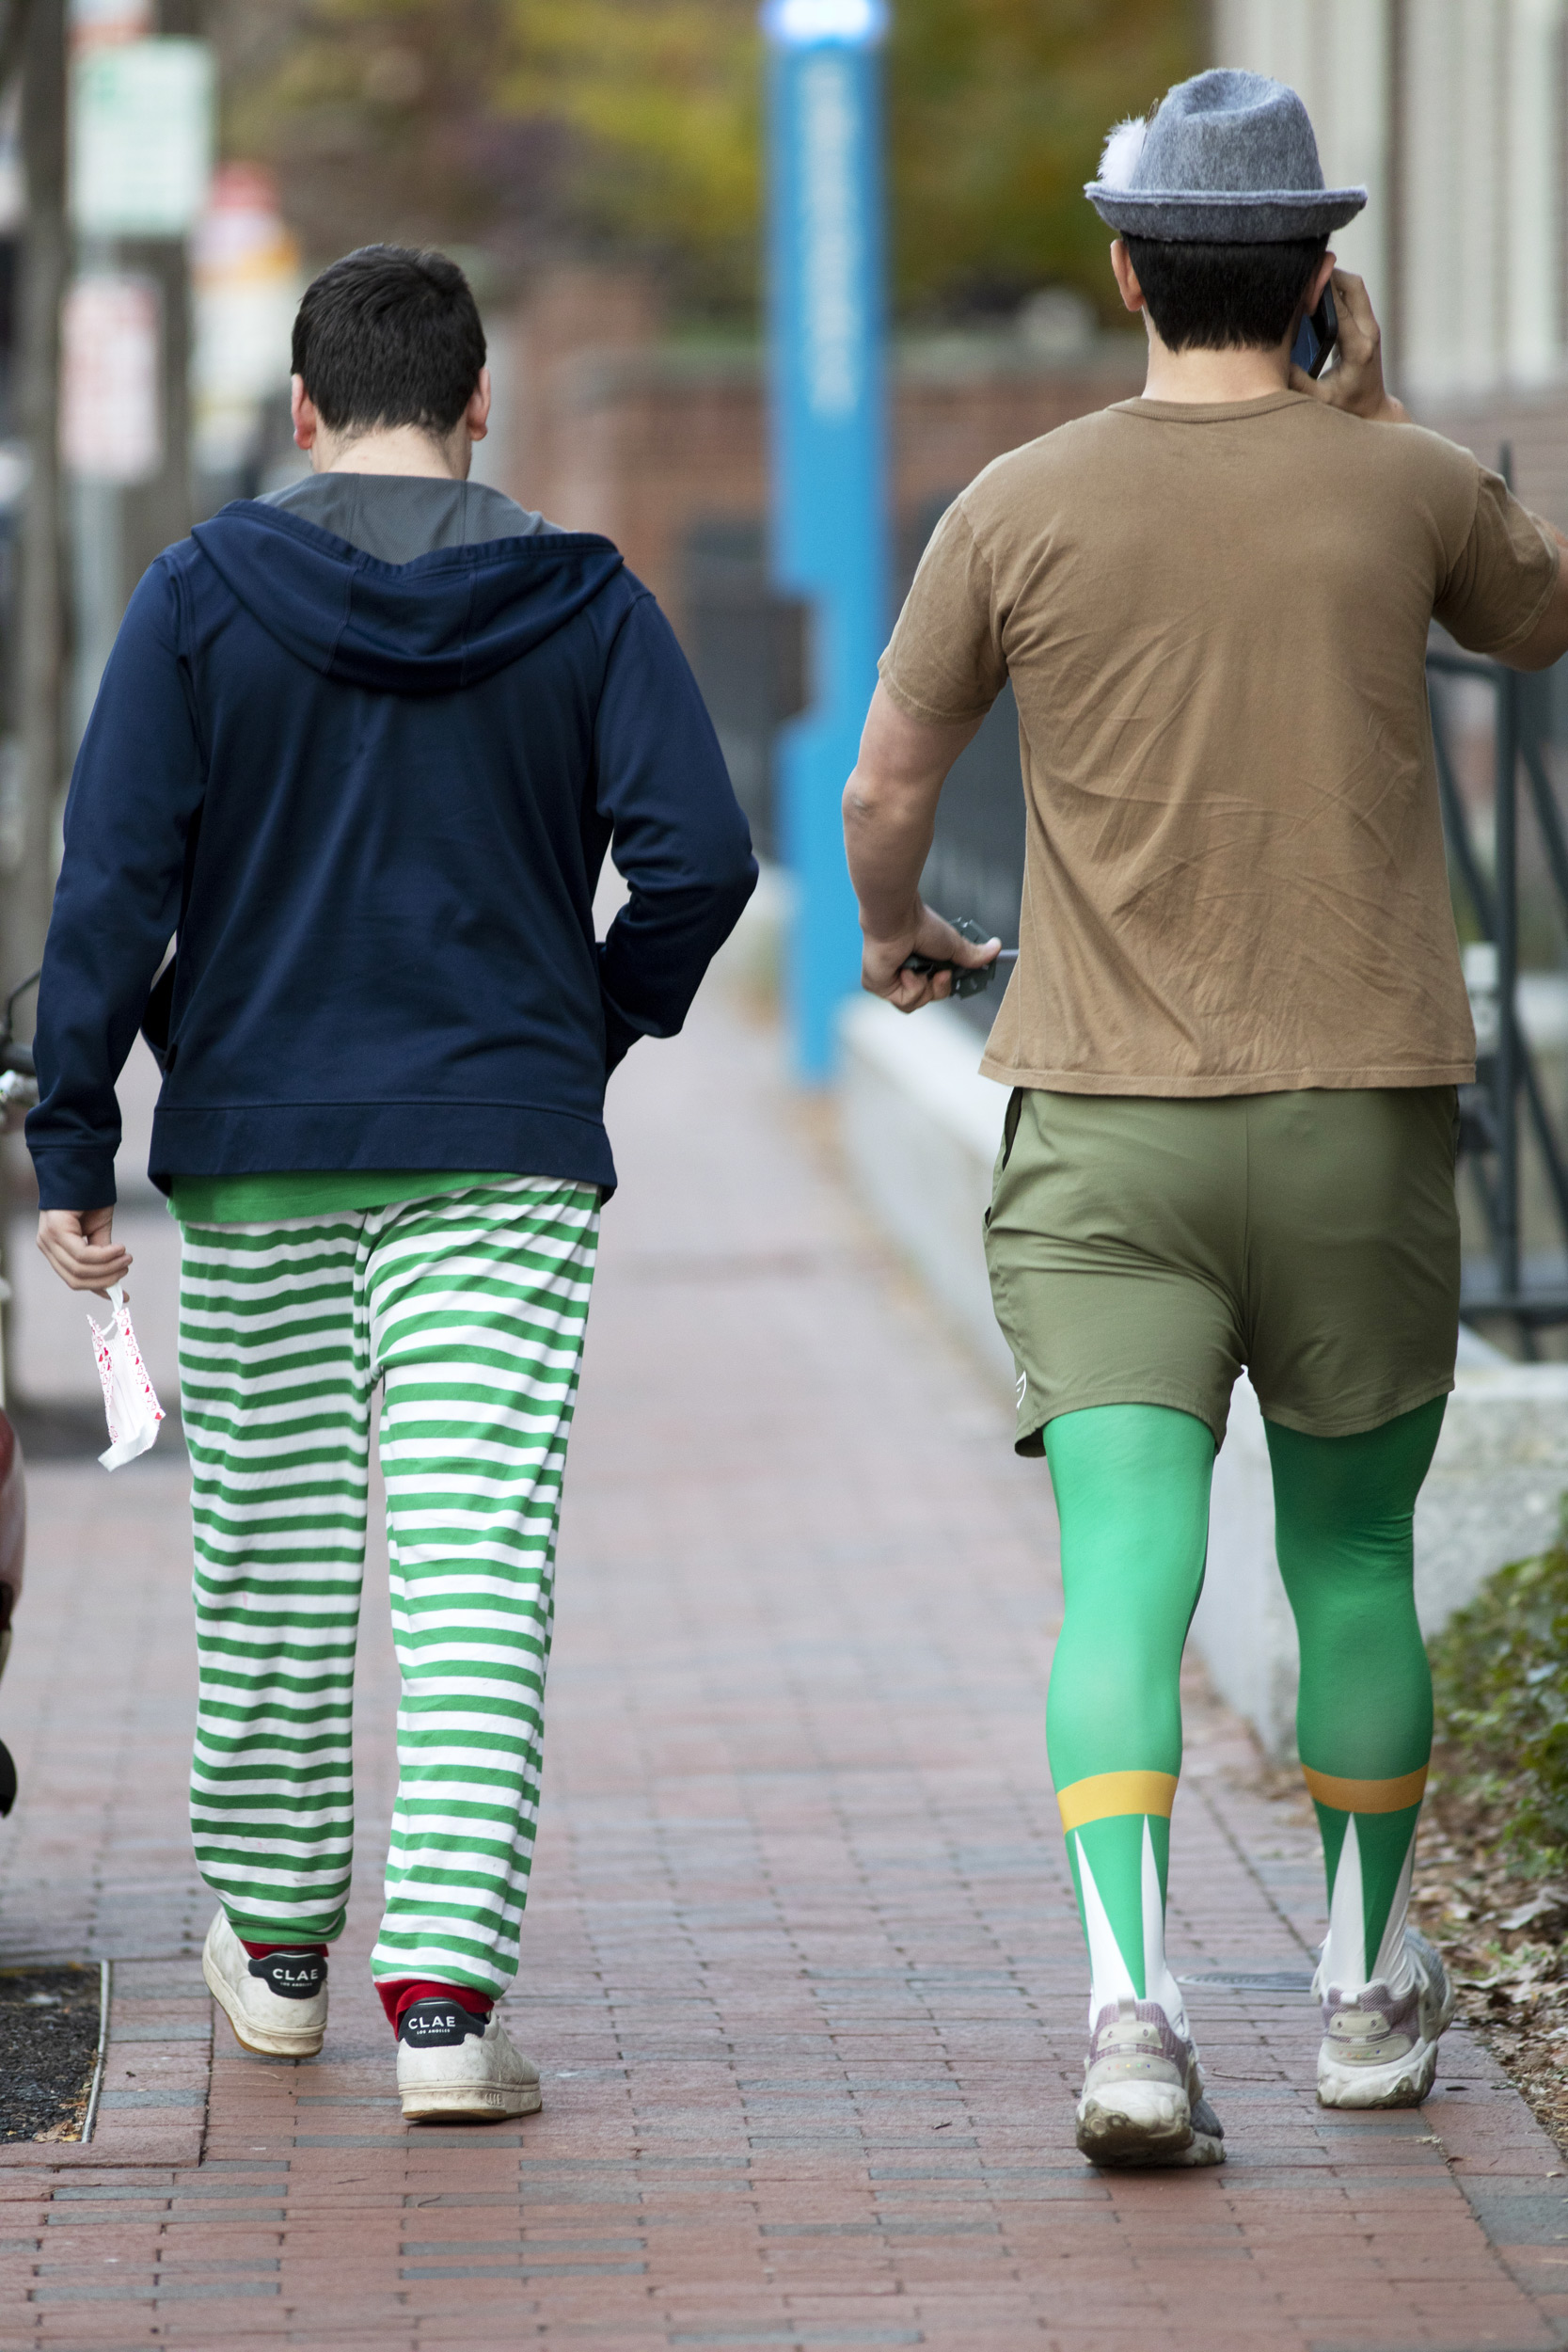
(457, 2068)
(276, 2006)
(1380, 2050)
(1143, 2100)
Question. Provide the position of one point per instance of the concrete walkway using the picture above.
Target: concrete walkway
(801, 1969)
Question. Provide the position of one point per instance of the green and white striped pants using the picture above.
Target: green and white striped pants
(469, 1308)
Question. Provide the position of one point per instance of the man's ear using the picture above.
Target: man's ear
(302, 408)
(477, 415)
(1320, 278)
(1127, 277)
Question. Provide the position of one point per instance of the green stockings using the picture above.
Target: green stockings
(1131, 1486)
(1344, 1514)
(1132, 1495)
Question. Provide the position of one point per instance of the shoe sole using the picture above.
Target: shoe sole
(1109, 2136)
(1204, 2149)
(1403, 2082)
(469, 2103)
(256, 2039)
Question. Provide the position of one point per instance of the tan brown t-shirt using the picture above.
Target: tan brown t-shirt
(1215, 621)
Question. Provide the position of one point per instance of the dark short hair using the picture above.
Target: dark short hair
(1222, 298)
(387, 337)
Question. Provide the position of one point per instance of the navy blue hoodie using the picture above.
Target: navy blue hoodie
(374, 801)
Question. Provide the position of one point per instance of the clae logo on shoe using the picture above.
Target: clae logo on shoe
(293, 1976)
(442, 2025)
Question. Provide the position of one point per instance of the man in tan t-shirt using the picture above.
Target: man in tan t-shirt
(1234, 1033)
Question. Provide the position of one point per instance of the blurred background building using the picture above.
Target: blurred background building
(1455, 117)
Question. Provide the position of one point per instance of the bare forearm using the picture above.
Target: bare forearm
(887, 839)
(890, 805)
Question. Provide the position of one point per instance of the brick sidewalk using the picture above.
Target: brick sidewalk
(802, 1970)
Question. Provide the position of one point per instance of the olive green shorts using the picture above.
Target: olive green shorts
(1143, 1250)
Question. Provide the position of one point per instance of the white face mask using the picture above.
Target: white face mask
(132, 1408)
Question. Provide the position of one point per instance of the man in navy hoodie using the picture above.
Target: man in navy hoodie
(360, 750)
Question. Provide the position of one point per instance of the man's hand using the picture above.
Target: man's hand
(881, 962)
(1354, 378)
(79, 1243)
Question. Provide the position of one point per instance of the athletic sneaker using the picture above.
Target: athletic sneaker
(457, 2068)
(1380, 2050)
(276, 2006)
(1143, 2100)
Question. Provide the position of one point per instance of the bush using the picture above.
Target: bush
(1500, 1681)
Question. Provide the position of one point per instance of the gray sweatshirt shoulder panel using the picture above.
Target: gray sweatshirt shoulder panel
(396, 517)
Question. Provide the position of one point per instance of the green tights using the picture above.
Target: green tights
(1131, 1486)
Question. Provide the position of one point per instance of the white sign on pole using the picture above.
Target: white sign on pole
(111, 408)
(806, 23)
(141, 147)
(248, 277)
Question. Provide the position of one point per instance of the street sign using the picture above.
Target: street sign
(141, 138)
(247, 278)
(111, 406)
(830, 519)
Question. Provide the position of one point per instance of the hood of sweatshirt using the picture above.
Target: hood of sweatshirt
(443, 622)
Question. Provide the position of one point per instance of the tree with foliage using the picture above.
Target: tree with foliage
(997, 113)
(633, 128)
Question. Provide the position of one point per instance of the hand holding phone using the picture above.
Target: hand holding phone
(1315, 342)
(1354, 383)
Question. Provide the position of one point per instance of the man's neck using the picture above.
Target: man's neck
(398, 449)
(1212, 377)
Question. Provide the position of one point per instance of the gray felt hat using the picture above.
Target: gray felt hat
(1226, 158)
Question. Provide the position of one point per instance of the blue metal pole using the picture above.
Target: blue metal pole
(828, 415)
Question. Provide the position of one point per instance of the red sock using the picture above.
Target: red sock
(403, 1992)
(264, 1951)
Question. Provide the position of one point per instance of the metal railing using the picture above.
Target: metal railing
(1508, 1101)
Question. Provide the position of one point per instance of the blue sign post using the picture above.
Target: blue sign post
(829, 458)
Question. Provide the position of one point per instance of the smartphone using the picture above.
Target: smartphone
(1319, 334)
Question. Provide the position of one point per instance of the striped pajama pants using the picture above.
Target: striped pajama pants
(469, 1309)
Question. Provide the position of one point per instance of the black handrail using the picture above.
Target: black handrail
(1490, 1129)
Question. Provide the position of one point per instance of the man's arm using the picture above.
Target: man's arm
(890, 805)
(139, 778)
(678, 837)
(1354, 383)
(1548, 639)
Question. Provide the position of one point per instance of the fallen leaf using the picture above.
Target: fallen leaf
(1546, 1905)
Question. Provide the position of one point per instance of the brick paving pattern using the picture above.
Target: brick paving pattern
(801, 1969)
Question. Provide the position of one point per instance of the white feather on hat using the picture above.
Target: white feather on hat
(1123, 146)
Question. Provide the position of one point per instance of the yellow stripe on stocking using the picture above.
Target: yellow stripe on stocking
(1366, 1796)
(1104, 1794)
